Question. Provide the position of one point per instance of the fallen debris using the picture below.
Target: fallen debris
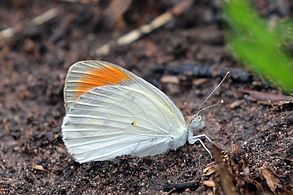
(260, 96)
(226, 180)
(82, 1)
(272, 181)
(170, 79)
(236, 104)
(12, 33)
(148, 28)
(115, 11)
(38, 167)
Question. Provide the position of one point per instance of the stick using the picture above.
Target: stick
(115, 11)
(82, 1)
(261, 96)
(9, 33)
(147, 28)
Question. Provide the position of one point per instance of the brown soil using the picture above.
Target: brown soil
(33, 159)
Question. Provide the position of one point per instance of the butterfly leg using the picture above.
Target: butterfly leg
(196, 138)
(201, 135)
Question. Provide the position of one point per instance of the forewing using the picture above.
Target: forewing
(86, 75)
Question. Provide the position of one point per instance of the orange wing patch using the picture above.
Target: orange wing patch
(100, 77)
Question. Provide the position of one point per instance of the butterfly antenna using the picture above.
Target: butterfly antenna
(200, 108)
(211, 106)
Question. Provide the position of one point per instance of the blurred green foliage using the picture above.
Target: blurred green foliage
(259, 46)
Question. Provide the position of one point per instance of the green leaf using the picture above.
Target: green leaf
(259, 47)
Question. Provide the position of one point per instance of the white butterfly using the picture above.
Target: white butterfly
(112, 112)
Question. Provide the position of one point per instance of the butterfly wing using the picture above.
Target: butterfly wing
(126, 115)
(85, 75)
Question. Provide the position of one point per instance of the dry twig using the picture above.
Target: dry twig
(8, 34)
(147, 28)
(260, 96)
(115, 11)
(81, 1)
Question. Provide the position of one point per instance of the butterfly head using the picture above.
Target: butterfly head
(196, 123)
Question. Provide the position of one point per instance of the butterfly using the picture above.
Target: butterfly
(112, 112)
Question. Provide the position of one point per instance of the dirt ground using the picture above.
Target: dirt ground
(186, 59)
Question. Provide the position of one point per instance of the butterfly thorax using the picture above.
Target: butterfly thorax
(195, 124)
(176, 142)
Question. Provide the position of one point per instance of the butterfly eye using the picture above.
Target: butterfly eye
(199, 118)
